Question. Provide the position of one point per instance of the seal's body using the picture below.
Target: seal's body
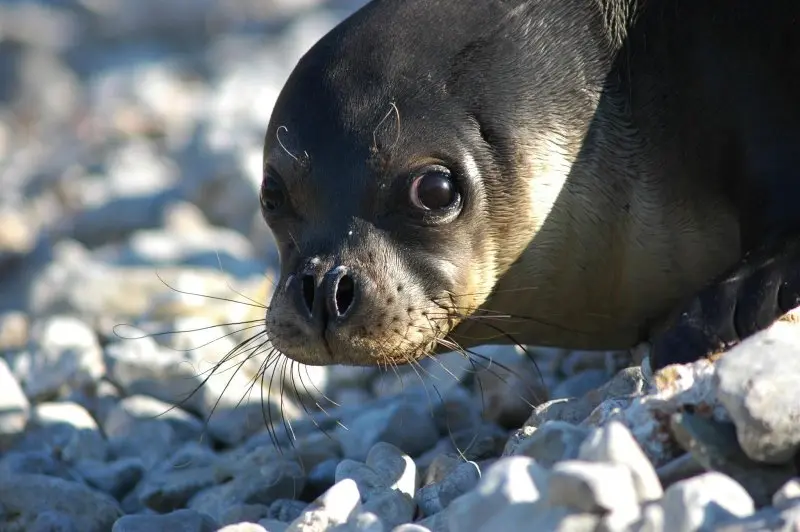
(605, 171)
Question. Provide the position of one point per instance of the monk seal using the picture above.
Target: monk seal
(587, 174)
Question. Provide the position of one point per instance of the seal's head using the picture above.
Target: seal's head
(396, 181)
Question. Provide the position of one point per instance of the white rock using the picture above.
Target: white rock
(705, 501)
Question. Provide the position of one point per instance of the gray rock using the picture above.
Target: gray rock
(714, 445)
(177, 521)
(593, 487)
(510, 389)
(285, 510)
(322, 476)
(440, 467)
(705, 501)
(552, 442)
(538, 517)
(14, 407)
(362, 521)
(389, 424)
(756, 382)
(45, 462)
(330, 509)
(766, 520)
(270, 525)
(69, 428)
(435, 497)
(243, 527)
(48, 521)
(392, 507)
(581, 383)
(25, 497)
(170, 490)
(115, 478)
(64, 352)
(14, 329)
(244, 513)
(410, 527)
(261, 485)
(614, 444)
(146, 428)
(512, 480)
(788, 494)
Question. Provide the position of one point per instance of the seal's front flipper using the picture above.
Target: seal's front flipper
(748, 298)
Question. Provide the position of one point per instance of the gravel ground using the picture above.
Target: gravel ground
(130, 155)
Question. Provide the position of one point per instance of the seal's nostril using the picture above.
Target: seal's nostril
(344, 294)
(308, 291)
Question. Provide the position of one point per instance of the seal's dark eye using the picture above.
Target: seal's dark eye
(273, 196)
(433, 190)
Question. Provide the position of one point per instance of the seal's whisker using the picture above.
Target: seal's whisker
(217, 298)
(287, 425)
(320, 392)
(198, 329)
(232, 289)
(267, 416)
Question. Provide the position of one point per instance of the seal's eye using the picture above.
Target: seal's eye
(433, 190)
(273, 196)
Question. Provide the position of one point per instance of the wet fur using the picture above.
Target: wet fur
(620, 156)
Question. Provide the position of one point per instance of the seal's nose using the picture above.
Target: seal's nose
(330, 299)
(339, 292)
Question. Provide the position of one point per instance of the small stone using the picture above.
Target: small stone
(512, 480)
(614, 444)
(69, 428)
(276, 479)
(14, 328)
(457, 411)
(581, 383)
(25, 497)
(322, 477)
(270, 525)
(705, 501)
(440, 467)
(434, 498)
(539, 517)
(115, 478)
(45, 462)
(49, 521)
(361, 521)
(244, 513)
(392, 507)
(286, 510)
(395, 467)
(552, 442)
(332, 508)
(389, 424)
(177, 521)
(651, 520)
(755, 381)
(410, 527)
(14, 408)
(593, 487)
(788, 494)
(508, 392)
(64, 352)
(243, 527)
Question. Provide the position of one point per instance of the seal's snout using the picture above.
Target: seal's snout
(327, 297)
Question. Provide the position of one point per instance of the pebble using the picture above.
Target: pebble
(23, 496)
(330, 509)
(67, 427)
(512, 480)
(706, 501)
(755, 382)
(593, 487)
(388, 424)
(435, 497)
(65, 352)
(177, 521)
(788, 494)
(613, 443)
(14, 408)
(552, 442)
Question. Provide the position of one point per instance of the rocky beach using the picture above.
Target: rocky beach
(136, 388)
